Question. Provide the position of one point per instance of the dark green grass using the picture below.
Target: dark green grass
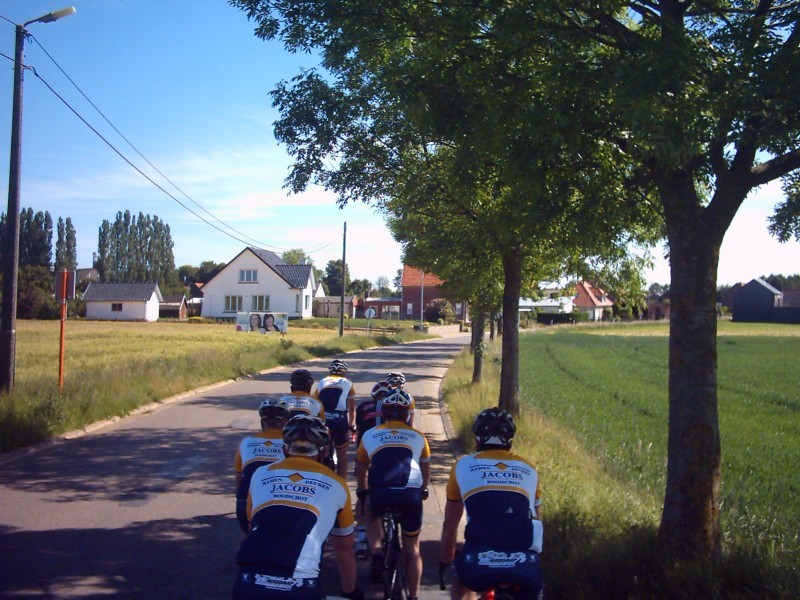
(611, 391)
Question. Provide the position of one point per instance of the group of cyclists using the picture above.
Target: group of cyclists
(290, 499)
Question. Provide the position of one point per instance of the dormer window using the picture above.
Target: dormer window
(248, 275)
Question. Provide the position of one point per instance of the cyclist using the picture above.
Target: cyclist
(393, 472)
(337, 394)
(300, 400)
(397, 381)
(256, 450)
(500, 492)
(294, 504)
(368, 413)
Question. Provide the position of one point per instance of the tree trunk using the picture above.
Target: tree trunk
(509, 370)
(478, 323)
(690, 518)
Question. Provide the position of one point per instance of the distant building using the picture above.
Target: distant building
(592, 300)
(419, 288)
(173, 307)
(122, 301)
(756, 302)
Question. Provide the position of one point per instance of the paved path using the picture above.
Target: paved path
(143, 508)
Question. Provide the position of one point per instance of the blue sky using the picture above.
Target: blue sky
(187, 83)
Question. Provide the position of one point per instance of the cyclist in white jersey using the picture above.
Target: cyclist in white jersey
(337, 394)
(257, 450)
(500, 492)
(294, 505)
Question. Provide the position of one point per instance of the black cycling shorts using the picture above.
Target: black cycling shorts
(407, 500)
(253, 584)
(479, 567)
(340, 430)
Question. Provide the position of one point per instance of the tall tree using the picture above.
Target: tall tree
(706, 108)
(35, 238)
(296, 256)
(66, 256)
(360, 287)
(136, 249)
(333, 277)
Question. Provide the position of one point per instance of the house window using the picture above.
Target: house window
(116, 307)
(297, 303)
(248, 275)
(409, 308)
(260, 303)
(233, 303)
(307, 302)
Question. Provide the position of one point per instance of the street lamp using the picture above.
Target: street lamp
(8, 317)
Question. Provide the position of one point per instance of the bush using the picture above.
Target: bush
(440, 309)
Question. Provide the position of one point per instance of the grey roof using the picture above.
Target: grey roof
(296, 275)
(763, 283)
(121, 292)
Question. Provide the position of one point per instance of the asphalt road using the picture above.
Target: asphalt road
(144, 507)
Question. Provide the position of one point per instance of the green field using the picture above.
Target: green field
(594, 419)
(112, 368)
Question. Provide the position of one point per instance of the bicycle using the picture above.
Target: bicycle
(395, 586)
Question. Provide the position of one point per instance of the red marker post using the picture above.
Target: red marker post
(65, 290)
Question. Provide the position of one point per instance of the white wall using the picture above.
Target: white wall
(282, 298)
(131, 310)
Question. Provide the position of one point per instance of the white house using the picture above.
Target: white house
(256, 280)
(552, 305)
(122, 301)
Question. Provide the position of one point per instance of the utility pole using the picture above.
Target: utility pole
(8, 314)
(344, 280)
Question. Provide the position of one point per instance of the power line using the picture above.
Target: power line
(240, 237)
(156, 169)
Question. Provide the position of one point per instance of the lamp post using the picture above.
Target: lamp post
(8, 317)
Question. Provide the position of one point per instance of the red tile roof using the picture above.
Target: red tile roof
(588, 295)
(412, 277)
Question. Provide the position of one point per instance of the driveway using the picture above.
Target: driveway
(144, 507)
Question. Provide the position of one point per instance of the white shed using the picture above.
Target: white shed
(122, 301)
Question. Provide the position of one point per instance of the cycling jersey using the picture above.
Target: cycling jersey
(368, 415)
(394, 451)
(333, 391)
(293, 505)
(254, 451)
(500, 492)
(303, 402)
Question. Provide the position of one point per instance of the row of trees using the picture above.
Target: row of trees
(513, 142)
(35, 287)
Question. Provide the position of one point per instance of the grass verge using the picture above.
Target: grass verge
(594, 420)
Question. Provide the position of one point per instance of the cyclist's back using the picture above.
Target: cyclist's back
(300, 400)
(337, 394)
(500, 492)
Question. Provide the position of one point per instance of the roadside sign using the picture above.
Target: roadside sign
(370, 313)
(65, 285)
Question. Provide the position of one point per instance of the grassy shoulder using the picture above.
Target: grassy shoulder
(111, 368)
(594, 420)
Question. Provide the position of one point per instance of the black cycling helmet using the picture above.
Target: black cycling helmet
(301, 379)
(396, 405)
(305, 435)
(380, 390)
(338, 367)
(274, 408)
(494, 427)
(396, 379)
